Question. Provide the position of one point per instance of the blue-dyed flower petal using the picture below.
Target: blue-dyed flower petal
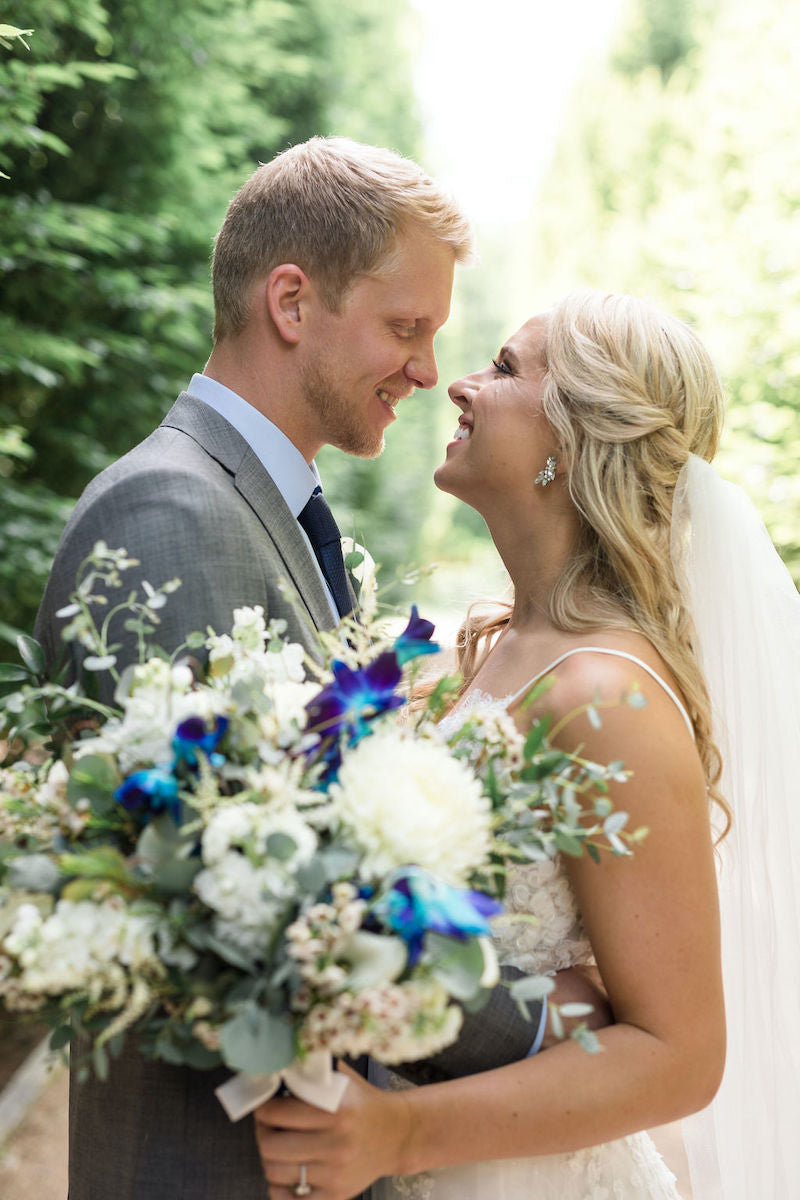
(193, 734)
(415, 639)
(382, 675)
(418, 903)
(150, 792)
(354, 698)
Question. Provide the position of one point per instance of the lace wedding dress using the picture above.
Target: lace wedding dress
(628, 1169)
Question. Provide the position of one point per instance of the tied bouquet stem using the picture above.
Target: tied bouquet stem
(269, 860)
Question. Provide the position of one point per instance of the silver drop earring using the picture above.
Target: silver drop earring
(548, 473)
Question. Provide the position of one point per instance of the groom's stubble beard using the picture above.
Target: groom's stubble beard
(344, 424)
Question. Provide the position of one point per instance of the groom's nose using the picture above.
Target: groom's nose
(421, 368)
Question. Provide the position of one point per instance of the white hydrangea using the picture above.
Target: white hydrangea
(242, 656)
(83, 946)
(249, 826)
(286, 719)
(407, 800)
(160, 697)
(246, 887)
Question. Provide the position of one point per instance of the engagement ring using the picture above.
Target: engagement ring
(302, 1187)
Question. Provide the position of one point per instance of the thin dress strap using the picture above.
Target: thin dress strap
(617, 654)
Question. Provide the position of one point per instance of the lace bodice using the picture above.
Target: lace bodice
(556, 938)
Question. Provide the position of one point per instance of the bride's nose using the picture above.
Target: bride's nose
(463, 389)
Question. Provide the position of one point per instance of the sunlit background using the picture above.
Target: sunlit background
(642, 145)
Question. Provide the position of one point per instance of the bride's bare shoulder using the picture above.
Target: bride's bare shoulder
(608, 667)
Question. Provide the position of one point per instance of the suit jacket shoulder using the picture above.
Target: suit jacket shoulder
(194, 502)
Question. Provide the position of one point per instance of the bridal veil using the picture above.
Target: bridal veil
(746, 612)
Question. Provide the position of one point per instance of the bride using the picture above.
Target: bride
(585, 446)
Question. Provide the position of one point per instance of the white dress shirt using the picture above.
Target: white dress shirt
(294, 478)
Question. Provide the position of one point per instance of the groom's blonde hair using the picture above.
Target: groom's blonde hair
(630, 392)
(333, 207)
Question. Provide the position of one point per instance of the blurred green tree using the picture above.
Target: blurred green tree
(124, 131)
(681, 163)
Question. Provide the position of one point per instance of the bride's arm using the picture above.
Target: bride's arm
(652, 920)
(499, 1034)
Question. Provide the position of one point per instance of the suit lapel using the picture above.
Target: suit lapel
(258, 489)
(227, 447)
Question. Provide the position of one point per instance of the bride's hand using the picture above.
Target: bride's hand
(343, 1152)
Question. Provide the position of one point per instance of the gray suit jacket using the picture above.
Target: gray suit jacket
(194, 501)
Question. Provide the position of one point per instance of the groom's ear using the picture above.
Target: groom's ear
(287, 293)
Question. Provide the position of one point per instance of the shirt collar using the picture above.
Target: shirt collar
(294, 478)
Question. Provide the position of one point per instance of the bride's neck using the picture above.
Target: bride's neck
(535, 558)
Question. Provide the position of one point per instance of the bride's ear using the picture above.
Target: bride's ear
(287, 293)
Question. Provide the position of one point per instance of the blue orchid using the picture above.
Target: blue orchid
(418, 903)
(415, 639)
(193, 734)
(150, 792)
(355, 697)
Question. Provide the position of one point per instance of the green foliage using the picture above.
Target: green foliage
(125, 129)
(683, 185)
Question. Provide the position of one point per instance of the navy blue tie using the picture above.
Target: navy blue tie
(323, 533)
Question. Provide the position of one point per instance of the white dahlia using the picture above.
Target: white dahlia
(407, 800)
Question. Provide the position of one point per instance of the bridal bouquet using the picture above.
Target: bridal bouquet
(265, 862)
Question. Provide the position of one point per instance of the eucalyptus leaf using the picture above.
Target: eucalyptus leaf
(258, 1042)
(312, 876)
(586, 1039)
(33, 873)
(615, 823)
(532, 987)
(176, 876)
(575, 1009)
(281, 847)
(457, 965)
(477, 1002)
(339, 862)
(93, 778)
(160, 840)
(98, 662)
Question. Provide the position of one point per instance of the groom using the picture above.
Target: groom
(332, 273)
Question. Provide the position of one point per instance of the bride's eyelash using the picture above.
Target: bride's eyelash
(502, 367)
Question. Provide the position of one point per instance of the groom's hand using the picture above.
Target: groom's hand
(579, 985)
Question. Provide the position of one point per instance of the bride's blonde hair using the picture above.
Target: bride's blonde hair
(630, 393)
